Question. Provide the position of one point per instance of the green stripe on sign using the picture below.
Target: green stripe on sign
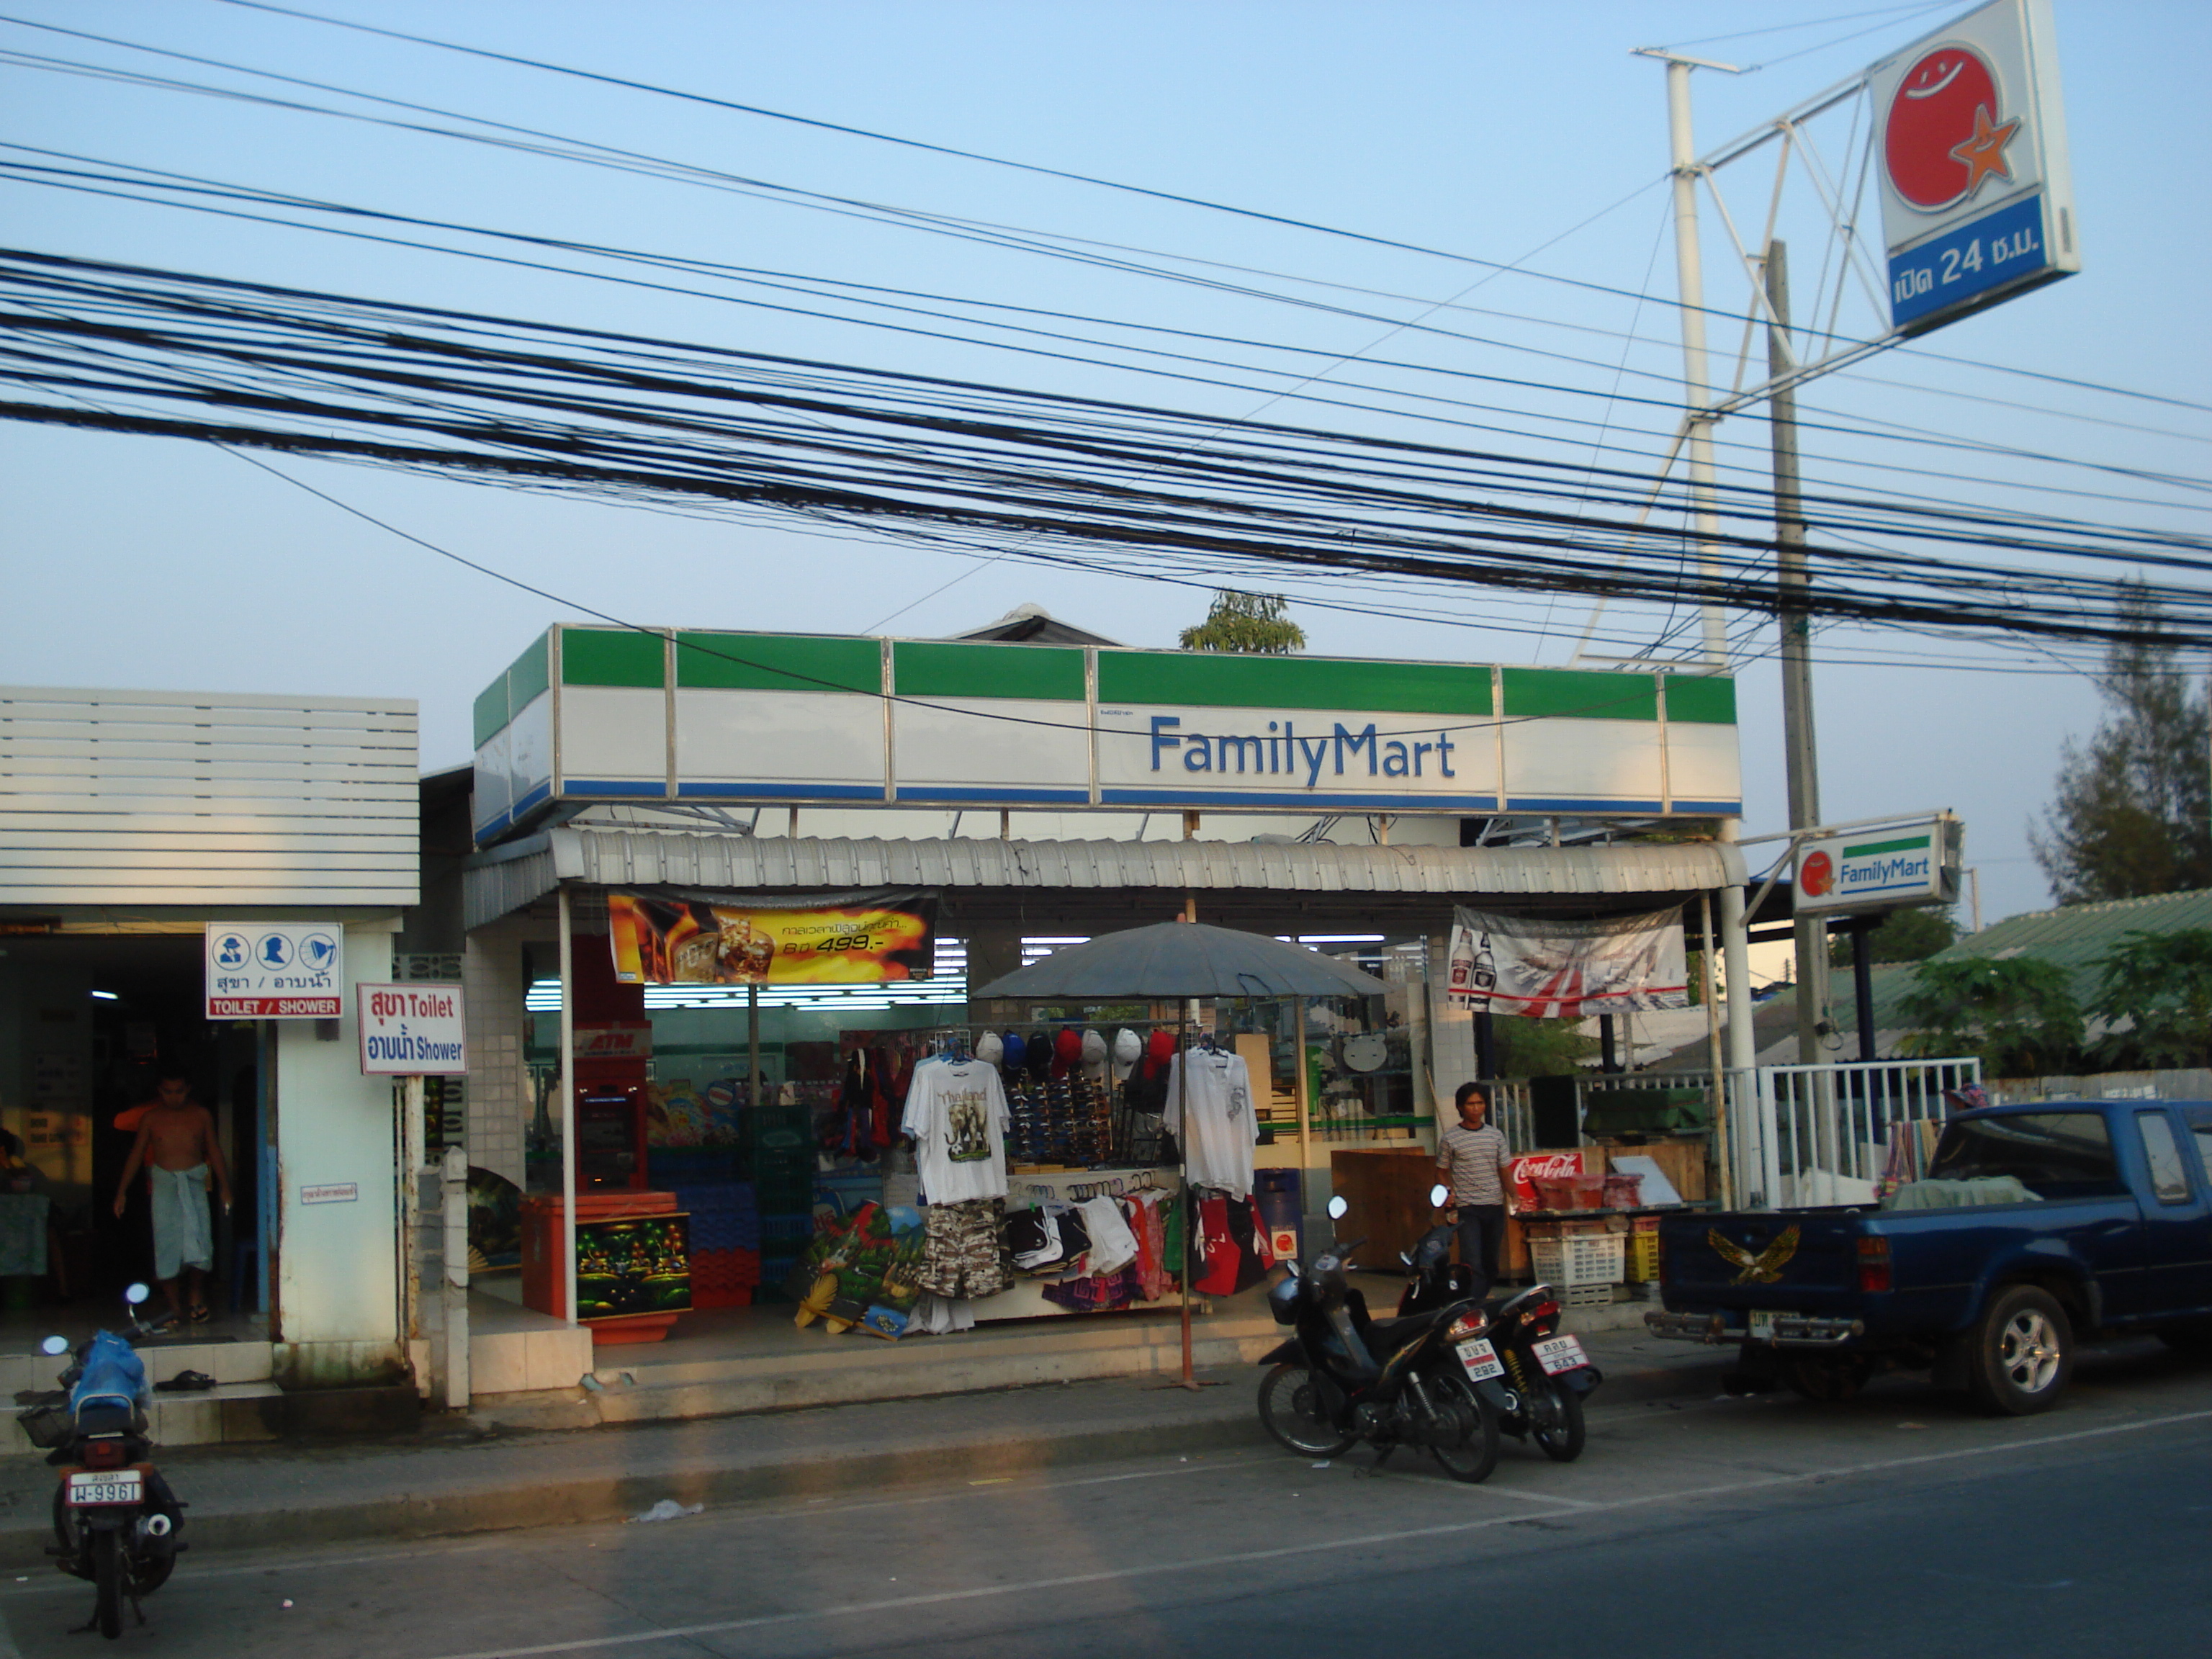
(1580, 694)
(779, 662)
(1909, 844)
(491, 711)
(613, 656)
(1701, 699)
(530, 675)
(1205, 680)
(927, 669)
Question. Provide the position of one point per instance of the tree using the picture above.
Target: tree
(2017, 1013)
(1540, 1048)
(2155, 997)
(1910, 935)
(1254, 623)
(2130, 816)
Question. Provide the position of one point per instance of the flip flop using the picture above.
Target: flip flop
(199, 1316)
(186, 1382)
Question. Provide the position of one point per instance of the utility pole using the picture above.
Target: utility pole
(1697, 390)
(1697, 402)
(1792, 579)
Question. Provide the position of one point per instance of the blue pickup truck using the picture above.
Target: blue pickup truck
(2039, 1227)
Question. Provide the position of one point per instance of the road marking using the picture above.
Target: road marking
(1292, 1551)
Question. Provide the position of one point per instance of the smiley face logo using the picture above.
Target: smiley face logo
(1943, 139)
(1816, 875)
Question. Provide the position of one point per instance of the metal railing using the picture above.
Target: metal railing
(1807, 1135)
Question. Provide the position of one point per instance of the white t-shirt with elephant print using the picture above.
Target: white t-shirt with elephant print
(957, 1113)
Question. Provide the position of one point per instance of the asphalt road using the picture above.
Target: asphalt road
(1899, 1524)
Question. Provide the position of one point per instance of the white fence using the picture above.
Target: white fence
(1820, 1134)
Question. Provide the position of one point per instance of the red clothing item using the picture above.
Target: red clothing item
(1216, 1257)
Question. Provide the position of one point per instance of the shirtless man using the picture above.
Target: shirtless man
(177, 1144)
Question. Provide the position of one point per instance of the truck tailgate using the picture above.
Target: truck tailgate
(1805, 1261)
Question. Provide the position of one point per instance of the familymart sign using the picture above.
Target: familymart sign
(1882, 867)
(597, 714)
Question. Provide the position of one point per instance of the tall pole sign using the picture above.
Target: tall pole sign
(1969, 146)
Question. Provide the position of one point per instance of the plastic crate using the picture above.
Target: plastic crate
(1586, 1259)
(1641, 1261)
(778, 1128)
(1586, 1296)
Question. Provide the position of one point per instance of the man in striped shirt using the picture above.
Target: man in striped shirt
(1472, 1156)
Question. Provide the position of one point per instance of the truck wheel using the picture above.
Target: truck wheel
(2022, 1355)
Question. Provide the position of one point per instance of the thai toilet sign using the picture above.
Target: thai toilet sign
(276, 970)
(419, 1029)
(603, 714)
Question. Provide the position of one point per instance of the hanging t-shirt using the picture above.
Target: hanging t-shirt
(957, 1113)
(1223, 1127)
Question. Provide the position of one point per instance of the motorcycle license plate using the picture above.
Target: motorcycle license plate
(125, 1486)
(1560, 1353)
(1481, 1359)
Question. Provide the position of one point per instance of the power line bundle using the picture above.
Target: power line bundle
(1040, 475)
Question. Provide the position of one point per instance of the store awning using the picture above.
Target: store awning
(509, 879)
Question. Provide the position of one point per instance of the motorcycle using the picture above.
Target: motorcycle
(1542, 1376)
(116, 1520)
(1343, 1378)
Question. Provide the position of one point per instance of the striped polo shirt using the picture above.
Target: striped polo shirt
(1471, 1159)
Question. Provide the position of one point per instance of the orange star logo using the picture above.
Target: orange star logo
(1984, 152)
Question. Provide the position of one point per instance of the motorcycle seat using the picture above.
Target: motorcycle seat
(1385, 1337)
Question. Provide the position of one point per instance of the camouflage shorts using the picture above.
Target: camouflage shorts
(960, 1249)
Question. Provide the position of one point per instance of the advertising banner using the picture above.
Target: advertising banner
(1970, 145)
(416, 1029)
(1525, 1171)
(1550, 970)
(881, 936)
(276, 970)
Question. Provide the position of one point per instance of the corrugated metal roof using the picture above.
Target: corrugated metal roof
(619, 858)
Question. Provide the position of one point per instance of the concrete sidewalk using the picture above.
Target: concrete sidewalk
(455, 1477)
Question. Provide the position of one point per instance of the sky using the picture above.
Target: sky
(1517, 136)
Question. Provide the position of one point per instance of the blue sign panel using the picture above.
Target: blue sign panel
(2000, 250)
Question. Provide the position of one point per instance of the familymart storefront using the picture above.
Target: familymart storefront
(756, 798)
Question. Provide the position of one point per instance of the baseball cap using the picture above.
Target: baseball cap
(1128, 1046)
(1094, 1048)
(989, 1050)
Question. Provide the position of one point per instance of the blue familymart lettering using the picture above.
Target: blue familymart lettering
(1281, 752)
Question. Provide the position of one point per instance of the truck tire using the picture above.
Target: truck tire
(2021, 1357)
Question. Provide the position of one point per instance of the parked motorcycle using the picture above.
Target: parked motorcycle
(116, 1520)
(1542, 1376)
(1343, 1378)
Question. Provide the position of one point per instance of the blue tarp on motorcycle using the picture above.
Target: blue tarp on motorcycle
(112, 1368)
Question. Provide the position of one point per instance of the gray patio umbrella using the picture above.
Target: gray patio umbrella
(1185, 959)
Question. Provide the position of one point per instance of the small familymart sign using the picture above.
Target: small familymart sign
(1887, 867)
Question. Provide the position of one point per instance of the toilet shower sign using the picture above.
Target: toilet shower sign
(276, 970)
(412, 1030)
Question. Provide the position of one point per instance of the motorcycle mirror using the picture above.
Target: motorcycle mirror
(55, 1344)
(1338, 1209)
(137, 1294)
(1437, 1194)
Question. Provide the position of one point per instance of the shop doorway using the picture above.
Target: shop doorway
(87, 1026)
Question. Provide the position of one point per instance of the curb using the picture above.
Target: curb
(403, 1516)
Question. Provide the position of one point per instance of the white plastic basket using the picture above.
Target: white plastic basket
(1587, 1295)
(1577, 1259)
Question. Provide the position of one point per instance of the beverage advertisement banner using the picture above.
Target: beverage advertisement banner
(1525, 1171)
(691, 941)
(1555, 969)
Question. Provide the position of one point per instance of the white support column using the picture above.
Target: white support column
(564, 1271)
(454, 1183)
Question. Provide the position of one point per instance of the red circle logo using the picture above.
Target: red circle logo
(1942, 136)
(1816, 875)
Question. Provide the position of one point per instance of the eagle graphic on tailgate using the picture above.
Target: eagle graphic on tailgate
(1762, 1269)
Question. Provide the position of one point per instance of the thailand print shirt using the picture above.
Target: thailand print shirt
(956, 1113)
